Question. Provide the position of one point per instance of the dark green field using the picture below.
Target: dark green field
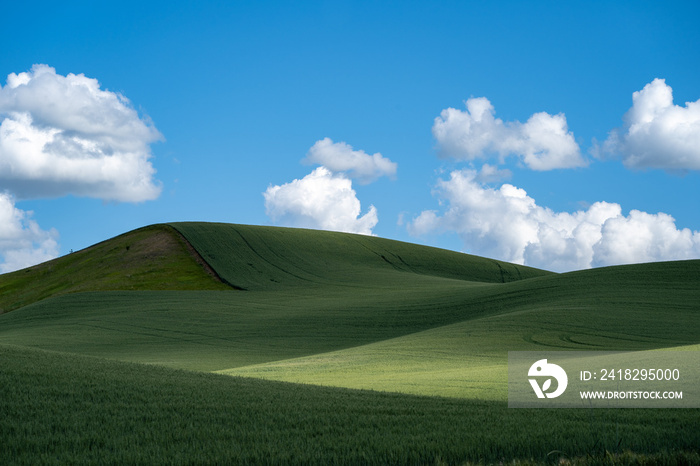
(423, 332)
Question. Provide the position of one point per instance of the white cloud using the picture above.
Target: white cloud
(543, 142)
(22, 242)
(505, 223)
(657, 133)
(357, 164)
(643, 237)
(320, 200)
(64, 135)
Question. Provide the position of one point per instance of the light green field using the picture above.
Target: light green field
(61, 408)
(468, 359)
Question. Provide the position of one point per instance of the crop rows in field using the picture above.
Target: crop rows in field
(327, 309)
(67, 409)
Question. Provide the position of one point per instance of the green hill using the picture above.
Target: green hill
(150, 258)
(323, 308)
(169, 257)
(307, 292)
(344, 310)
(264, 258)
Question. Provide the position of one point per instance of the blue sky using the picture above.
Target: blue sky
(336, 115)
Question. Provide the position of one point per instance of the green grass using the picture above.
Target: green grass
(68, 409)
(306, 293)
(328, 309)
(438, 336)
(150, 258)
(614, 309)
(266, 258)
(214, 330)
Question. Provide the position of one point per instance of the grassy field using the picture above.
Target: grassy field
(615, 309)
(359, 298)
(329, 309)
(69, 409)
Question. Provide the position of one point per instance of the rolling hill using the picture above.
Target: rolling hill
(625, 308)
(319, 308)
(263, 258)
(150, 258)
(306, 292)
(336, 308)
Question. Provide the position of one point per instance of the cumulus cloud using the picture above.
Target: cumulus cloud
(507, 224)
(22, 242)
(656, 133)
(340, 157)
(320, 200)
(543, 142)
(65, 135)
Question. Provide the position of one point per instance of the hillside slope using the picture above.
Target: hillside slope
(169, 257)
(307, 292)
(349, 310)
(624, 308)
(262, 258)
(322, 309)
(150, 258)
